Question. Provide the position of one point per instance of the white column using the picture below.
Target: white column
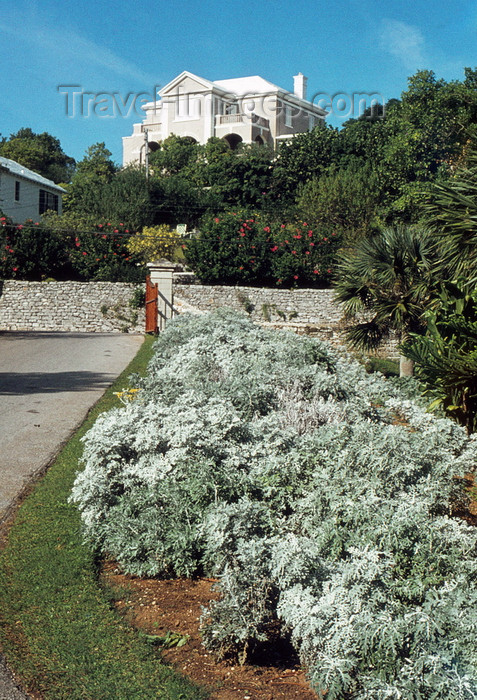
(161, 273)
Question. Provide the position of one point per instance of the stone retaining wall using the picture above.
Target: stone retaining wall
(105, 307)
(70, 306)
(308, 311)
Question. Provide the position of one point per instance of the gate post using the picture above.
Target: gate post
(160, 273)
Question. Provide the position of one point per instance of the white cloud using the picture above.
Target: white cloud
(405, 42)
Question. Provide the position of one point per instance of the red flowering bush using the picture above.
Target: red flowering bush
(244, 248)
(37, 250)
(30, 251)
(103, 254)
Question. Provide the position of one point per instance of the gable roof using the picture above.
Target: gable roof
(18, 170)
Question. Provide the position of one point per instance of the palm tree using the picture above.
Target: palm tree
(452, 216)
(387, 280)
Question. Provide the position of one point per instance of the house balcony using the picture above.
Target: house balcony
(243, 127)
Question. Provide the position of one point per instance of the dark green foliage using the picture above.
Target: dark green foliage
(41, 153)
(246, 248)
(31, 251)
(65, 250)
(344, 200)
(451, 211)
(446, 357)
(389, 276)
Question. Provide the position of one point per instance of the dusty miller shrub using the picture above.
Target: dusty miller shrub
(320, 497)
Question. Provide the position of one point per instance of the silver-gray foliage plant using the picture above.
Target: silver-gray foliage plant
(321, 498)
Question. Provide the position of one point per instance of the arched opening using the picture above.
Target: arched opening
(259, 141)
(233, 140)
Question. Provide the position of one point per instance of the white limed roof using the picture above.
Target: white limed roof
(252, 85)
(20, 171)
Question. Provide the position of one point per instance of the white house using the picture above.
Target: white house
(248, 110)
(24, 194)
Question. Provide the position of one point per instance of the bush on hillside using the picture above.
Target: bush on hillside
(320, 497)
(67, 249)
(242, 248)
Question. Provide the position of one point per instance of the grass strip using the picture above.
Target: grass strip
(57, 628)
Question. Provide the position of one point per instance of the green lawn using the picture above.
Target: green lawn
(57, 628)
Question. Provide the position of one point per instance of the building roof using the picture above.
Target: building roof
(251, 85)
(18, 170)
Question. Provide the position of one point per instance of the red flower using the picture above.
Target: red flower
(104, 236)
(14, 269)
(316, 272)
(295, 277)
(293, 252)
(310, 234)
(242, 235)
(297, 236)
(307, 252)
(274, 249)
(283, 226)
(312, 244)
(85, 253)
(115, 230)
(216, 220)
(267, 229)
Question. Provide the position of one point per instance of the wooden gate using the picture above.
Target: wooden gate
(151, 306)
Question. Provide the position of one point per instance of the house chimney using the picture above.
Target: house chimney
(299, 86)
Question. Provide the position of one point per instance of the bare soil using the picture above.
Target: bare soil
(157, 607)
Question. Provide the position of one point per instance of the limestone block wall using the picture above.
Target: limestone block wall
(70, 306)
(105, 307)
(308, 311)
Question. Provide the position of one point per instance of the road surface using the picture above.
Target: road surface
(48, 382)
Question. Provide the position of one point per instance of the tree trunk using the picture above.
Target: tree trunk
(406, 367)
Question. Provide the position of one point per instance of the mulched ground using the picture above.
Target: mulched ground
(156, 607)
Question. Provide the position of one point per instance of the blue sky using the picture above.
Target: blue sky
(126, 48)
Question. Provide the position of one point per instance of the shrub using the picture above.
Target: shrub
(318, 494)
(31, 251)
(241, 248)
(153, 243)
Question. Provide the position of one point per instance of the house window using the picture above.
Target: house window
(47, 201)
(17, 190)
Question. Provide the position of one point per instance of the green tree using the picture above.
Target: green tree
(388, 278)
(174, 155)
(423, 134)
(344, 200)
(303, 158)
(41, 153)
(93, 172)
(451, 213)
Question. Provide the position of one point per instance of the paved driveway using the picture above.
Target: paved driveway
(48, 382)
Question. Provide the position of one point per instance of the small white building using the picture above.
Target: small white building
(26, 195)
(248, 110)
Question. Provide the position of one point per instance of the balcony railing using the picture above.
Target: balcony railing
(226, 119)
